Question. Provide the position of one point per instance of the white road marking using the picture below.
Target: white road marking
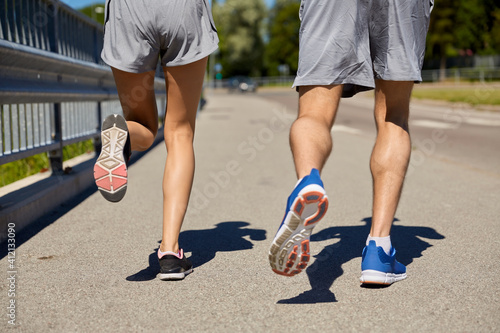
(445, 125)
(432, 124)
(346, 129)
(482, 122)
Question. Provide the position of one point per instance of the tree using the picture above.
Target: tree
(441, 35)
(471, 25)
(95, 12)
(283, 46)
(492, 38)
(239, 25)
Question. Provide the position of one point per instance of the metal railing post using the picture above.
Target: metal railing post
(95, 52)
(53, 25)
(97, 140)
(56, 155)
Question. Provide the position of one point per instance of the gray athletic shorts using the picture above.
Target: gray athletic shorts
(139, 32)
(354, 42)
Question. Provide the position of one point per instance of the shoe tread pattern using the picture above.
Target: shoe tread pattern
(110, 170)
(290, 252)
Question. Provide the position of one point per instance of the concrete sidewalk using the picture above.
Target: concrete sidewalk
(93, 267)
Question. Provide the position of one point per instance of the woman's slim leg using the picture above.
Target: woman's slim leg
(184, 85)
(137, 98)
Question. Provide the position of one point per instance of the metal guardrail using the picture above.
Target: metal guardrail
(51, 26)
(459, 74)
(54, 88)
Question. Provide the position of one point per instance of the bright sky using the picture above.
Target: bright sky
(77, 4)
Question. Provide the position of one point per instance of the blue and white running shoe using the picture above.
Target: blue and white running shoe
(379, 268)
(308, 203)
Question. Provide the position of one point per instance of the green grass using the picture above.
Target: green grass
(14, 171)
(480, 95)
(20, 169)
(77, 149)
(278, 84)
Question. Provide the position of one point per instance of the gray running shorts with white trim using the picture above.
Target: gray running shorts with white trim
(139, 32)
(355, 42)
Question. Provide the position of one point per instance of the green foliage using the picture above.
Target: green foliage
(492, 39)
(77, 149)
(470, 25)
(441, 35)
(14, 171)
(484, 95)
(239, 24)
(20, 169)
(458, 25)
(283, 46)
(95, 12)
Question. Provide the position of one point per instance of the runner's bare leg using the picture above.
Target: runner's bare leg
(184, 86)
(391, 153)
(310, 134)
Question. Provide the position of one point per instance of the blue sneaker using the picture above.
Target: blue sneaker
(289, 252)
(379, 268)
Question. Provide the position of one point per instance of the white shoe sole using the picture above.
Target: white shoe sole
(174, 276)
(110, 169)
(370, 276)
(289, 253)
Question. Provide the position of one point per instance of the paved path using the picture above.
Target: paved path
(93, 268)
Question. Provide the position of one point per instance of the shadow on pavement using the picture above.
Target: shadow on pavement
(32, 229)
(328, 264)
(204, 244)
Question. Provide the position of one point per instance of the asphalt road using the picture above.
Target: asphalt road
(456, 133)
(92, 267)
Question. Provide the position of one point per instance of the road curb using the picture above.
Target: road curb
(27, 205)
